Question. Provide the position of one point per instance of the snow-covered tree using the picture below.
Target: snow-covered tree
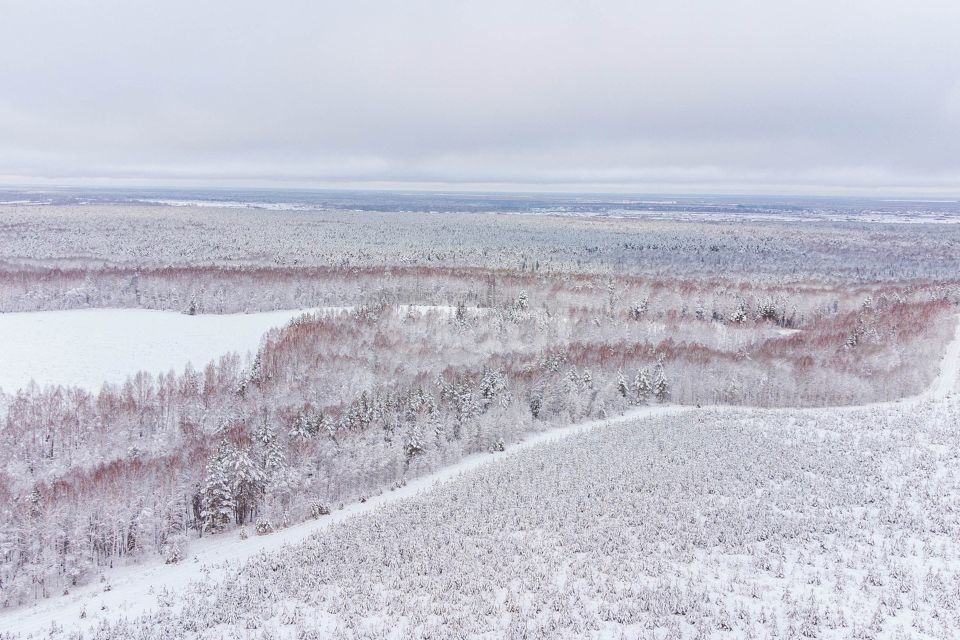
(271, 456)
(216, 495)
(622, 387)
(660, 386)
(246, 481)
(643, 387)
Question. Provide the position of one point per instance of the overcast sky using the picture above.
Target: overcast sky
(671, 95)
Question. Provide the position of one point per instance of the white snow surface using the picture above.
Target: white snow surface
(131, 591)
(87, 347)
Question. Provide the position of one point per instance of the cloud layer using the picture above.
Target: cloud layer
(652, 95)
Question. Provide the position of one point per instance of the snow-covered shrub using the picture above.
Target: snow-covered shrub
(263, 527)
(174, 549)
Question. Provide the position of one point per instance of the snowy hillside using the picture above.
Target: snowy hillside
(675, 522)
(726, 523)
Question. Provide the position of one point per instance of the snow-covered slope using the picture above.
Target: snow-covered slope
(948, 374)
(710, 523)
(817, 484)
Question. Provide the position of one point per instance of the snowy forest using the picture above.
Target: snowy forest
(415, 350)
(835, 534)
(490, 320)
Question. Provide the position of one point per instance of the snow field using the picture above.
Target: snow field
(88, 347)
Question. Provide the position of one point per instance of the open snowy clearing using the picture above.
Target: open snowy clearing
(88, 347)
(133, 591)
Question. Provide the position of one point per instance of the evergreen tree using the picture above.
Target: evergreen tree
(272, 458)
(216, 497)
(492, 384)
(622, 385)
(587, 379)
(329, 427)
(301, 426)
(522, 302)
(661, 387)
(246, 482)
(413, 442)
(643, 387)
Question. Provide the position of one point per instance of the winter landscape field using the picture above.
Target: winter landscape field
(513, 319)
(87, 347)
(305, 422)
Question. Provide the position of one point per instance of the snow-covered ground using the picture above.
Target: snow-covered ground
(88, 347)
(717, 523)
(848, 478)
(130, 591)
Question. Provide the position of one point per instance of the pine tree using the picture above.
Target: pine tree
(329, 427)
(587, 379)
(622, 385)
(661, 387)
(272, 459)
(255, 375)
(301, 426)
(522, 302)
(246, 482)
(643, 387)
(413, 442)
(492, 385)
(216, 498)
(173, 524)
(36, 503)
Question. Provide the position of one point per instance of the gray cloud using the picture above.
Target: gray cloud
(632, 95)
